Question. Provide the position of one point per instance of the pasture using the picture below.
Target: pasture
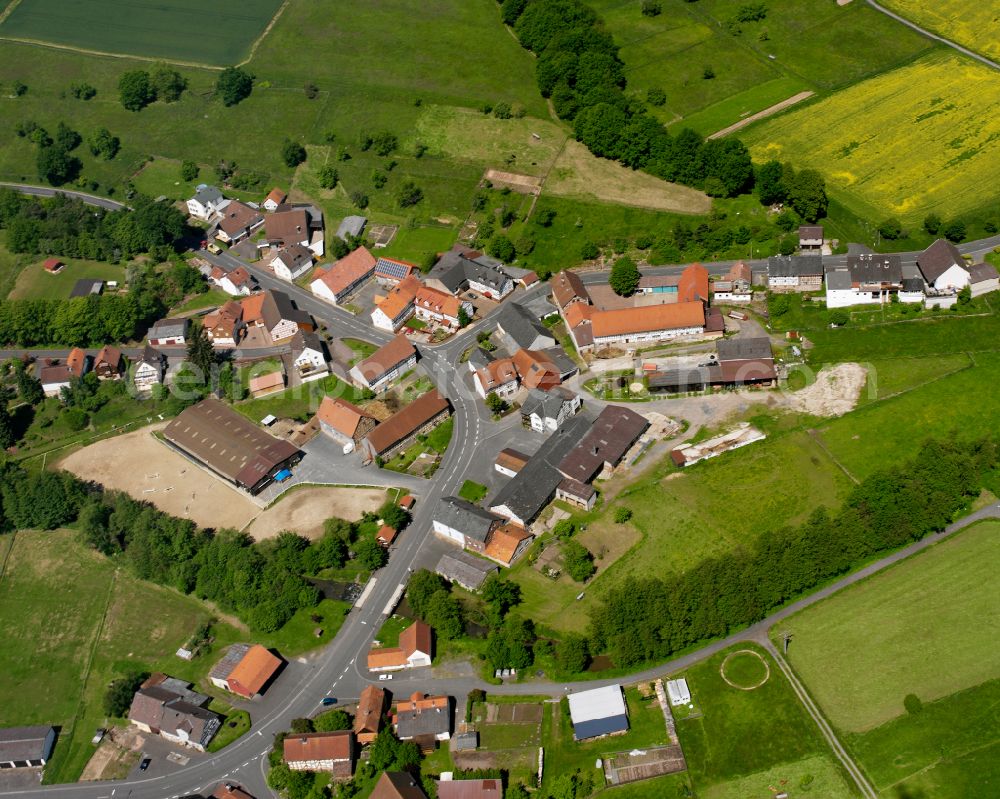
(34, 283)
(670, 51)
(682, 517)
(905, 143)
(73, 623)
(173, 30)
(928, 626)
(738, 742)
(966, 22)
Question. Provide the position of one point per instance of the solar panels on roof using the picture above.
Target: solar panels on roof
(388, 267)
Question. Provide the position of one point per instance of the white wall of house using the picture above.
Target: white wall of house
(169, 341)
(954, 279)
(504, 470)
(649, 335)
(146, 375)
(507, 513)
(54, 389)
(482, 288)
(732, 296)
(384, 379)
(230, 288)
(418, 659)
(285, 272)
(985, 287)
(504, 390)
(321, 290)
(284, 329)
(383, 322)
(313, 359)
(443, 530)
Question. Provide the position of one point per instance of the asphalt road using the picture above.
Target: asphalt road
(338, 669)
(46, 191)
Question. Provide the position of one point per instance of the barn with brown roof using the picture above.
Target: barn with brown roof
(344, 421)
(321, 751)
(370, 713)
(397, 785)
(227, 443)
(403, 426)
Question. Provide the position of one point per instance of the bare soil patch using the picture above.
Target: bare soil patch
(305, 510)
(147, 469)
(835, 392)
(578, 173)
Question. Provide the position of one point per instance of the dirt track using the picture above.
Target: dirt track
(770, 111)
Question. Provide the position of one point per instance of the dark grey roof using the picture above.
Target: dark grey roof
(417, 723)
(913, 284)
(678, 381)
(169, 328)
(301, 341)
(614, 431)
(454, 270)
(983, 271)
(544, 403)
(351, 226)
(86, 286)
(222, 669)
(465, 569)
(838, 278)
(875, 268)
(596, 727)
(523, 327)
(480, 358)
(26, 743)
(532, 488)
(794, 265)
(566, 365)
(742, 349)
(151, 356)
(810, 231)
(464, 516)
(938, 259)
(208, 195)
(278, 306)
(465, 741)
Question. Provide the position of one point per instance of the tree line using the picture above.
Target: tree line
(579, 69)
(646, 619)
(263, 583)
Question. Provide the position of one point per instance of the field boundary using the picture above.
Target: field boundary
(767, 112)
(256, 42)
(105, 54)
(9, 10)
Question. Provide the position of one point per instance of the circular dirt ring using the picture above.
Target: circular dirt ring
(745, 670)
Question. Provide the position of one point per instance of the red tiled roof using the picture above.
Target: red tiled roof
(319, 746)
(276, 196)
(624, 321)
(404, 422)
(76, 361)
(416, 638)
(693, 284)
(437, 302)
(341, 415)
(347, 271)
(253, 671)
(536, 369)
(504, 542)
(52, 264)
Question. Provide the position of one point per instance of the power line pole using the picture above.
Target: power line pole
(786, 636)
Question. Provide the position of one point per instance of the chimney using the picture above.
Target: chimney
(593, 450)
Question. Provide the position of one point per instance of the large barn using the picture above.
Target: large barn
(230, 445)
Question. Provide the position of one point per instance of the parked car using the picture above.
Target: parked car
(144, 763)
(385, 676)
(329, 700)
(98, 736)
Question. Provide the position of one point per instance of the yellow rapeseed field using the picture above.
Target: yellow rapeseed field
(922, 138)
(972, 23)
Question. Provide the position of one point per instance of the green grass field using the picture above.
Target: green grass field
(739, 106)
(34, 283)
(736, 743)
(670, 51)
(928, 626)
(936, 106)
(170, 30)
(680, 518)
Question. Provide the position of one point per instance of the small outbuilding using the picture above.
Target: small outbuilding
(598, 712)
(678, 692)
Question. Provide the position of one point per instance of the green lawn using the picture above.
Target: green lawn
(361, 349)
(927, 626)
(439, 438)
(299, 402)
(389, 632)
(683, 517)
(739, 106)
(299, 633)
(161, 177)
(34, 283)
(152, 30)
(473, 492)
(235, 724)
(73, 624)
(738, 736)
(950, 749)
(207, 299)
(816, 776)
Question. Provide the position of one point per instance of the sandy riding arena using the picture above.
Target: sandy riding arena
(147, 469)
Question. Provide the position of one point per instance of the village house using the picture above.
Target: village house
(545, 411)
(274, 312)
(423, 719)
(497, 377)
(237, 282)
(611, 435)
(868, 279)
(337, 282)
(295, 224)
(169, 333)
(147, 370)
(265, 384)
(275, 199)
(567, 289)
(206, 203)
(466, 524)
(109, 363)
(469, 789)
(369, 715)
(238, 221)
(53, 266)
(735, 286)
(583, 495)
(461, 269)
(811, 239)
(245, 670)
(332, 752)
(224, 326)
(397, 785)
(54, 377)
(740, 362)
(537, 370)
(631, 327)
(392, 271)
(166, 706)
(308, 357)
(508, 543)
(509, 462)
(384, 365)
(396, 432)
(290, 263)
(943, 269)
(344, 422)
(520, 329)
(432, 305)
(983, 278)
(392, 312)
(230, 445)
(414, 650)
(467, 570)
(26, 747)
(795, 273)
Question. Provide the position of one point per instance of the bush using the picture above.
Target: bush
(189, 171)
(932, 224)
(891, 229)
(329, 177)
(135, 90)
(622, 514)
(234, 85)
(913, 704)
(409, 194)
(501, 247)
(656, 97)
(118, 697)
(311, 90)
(954, 231)
(624, 279)
(292, 153)
(502, 110)
(651, 8)
(564, 528)
(359, 199)
(578, 561)
(76, 419)
(708, 72)
(839, 317)
(83, 91)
